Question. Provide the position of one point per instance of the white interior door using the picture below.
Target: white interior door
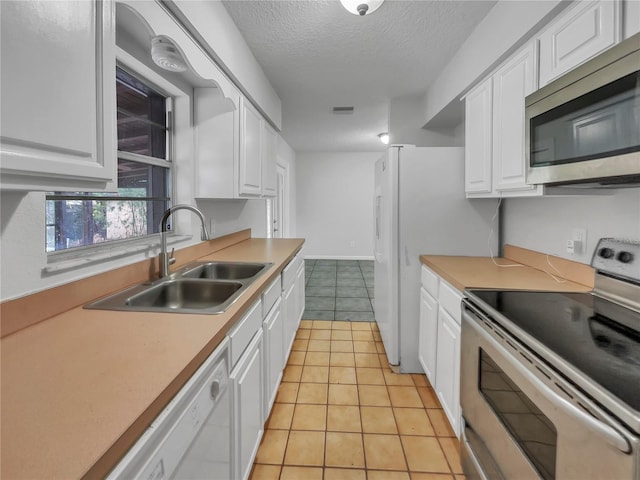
(279, 216)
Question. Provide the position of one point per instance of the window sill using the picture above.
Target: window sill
(65, 261)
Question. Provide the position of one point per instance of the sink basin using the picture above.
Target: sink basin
(185, 294)
(206, 287)
(225, 270)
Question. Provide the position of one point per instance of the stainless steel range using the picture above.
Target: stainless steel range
(550, 383)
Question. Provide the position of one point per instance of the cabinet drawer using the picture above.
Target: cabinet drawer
(244, 330)
(270, 296)
(290, 271)
(429, 281)
(449, 298)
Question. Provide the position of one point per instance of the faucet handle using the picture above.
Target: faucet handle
(172, 259)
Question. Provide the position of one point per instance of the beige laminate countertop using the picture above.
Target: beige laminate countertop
(79, 388)
(482, 272)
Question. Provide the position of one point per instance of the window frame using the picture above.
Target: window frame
(123, 247)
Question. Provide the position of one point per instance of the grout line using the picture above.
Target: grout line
(362, 433)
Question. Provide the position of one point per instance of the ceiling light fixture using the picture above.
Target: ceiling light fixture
(384, 138)
(166, 55)
(361, 7)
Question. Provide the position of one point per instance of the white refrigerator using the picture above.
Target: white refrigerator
(420, 208)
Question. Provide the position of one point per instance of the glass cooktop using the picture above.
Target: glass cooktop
(596, 336)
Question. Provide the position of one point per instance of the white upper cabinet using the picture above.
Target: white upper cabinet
(269, 161)
(511, 84)
(495, 142)
(251, 148)
(477, 152)
(217, 134)
(58, 95)
(578, 35)
(236, 149)
(258, 153)
(495, 160)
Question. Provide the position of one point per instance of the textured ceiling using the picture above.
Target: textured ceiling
(317, 56)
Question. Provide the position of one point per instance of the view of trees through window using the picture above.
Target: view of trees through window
(75, 219)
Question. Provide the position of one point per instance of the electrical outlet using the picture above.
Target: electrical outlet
(352, 243)
(579, 237)
(571, 246)
(212, 226)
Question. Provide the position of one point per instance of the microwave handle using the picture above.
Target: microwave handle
(608, 433)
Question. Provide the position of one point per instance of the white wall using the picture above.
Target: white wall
(544, 224)
(405, 121)
(335, 203)
(214, 26)
(504, 28)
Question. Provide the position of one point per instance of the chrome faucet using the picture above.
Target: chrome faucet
(168, 259)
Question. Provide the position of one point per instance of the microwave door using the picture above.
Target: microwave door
(586, 125)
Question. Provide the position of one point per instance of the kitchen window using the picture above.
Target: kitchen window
(78, 219)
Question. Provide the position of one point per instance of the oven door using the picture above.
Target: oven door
(522, 421)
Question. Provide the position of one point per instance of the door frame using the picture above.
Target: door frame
(282, 193)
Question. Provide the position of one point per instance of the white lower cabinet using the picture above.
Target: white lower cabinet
(255, 377)
(256, 349)
(293, 302)
(439, 342)
(448, 367)
(247, 406)
(300, 296)
(288, 309)
(428, 334)
(274, 354)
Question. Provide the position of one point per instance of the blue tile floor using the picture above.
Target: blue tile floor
(339, 290)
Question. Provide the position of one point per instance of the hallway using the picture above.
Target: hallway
(342, 414)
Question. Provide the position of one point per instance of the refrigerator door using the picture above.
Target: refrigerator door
(385, 249)
(434, 218)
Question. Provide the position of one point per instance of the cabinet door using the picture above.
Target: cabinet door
(274, 351)
(581, 33)
(428, 336)
(448, 368)
(299, 292)
(290, 323)
(511, 84)
(217, 126)
(270, 152)
(477, 152)
(250, 150)
(58, 95)
(248, 392)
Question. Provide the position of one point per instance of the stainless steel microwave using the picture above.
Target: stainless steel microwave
(584, 127)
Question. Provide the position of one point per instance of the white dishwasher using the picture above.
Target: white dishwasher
(191, 438)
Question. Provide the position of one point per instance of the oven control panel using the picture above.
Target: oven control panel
(620, 258)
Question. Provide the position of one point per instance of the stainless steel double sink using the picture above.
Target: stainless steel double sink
(199, 287)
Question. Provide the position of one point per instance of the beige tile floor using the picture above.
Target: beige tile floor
(342, 414)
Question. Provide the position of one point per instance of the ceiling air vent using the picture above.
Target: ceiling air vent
(342, 110)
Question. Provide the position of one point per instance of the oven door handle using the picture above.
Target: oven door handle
(608, 433)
